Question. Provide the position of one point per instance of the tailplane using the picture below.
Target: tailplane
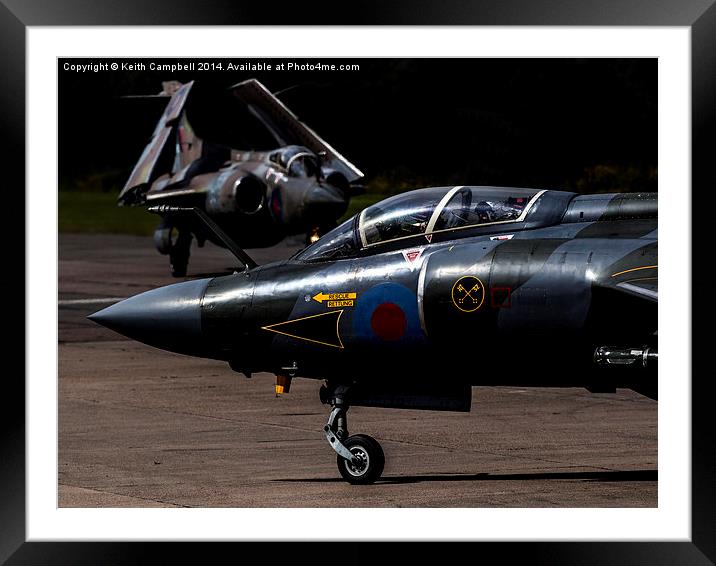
(287, 129)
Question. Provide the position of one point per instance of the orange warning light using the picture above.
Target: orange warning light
(283, 384)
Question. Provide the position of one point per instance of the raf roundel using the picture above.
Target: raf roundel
(388, 322)
(387, 313)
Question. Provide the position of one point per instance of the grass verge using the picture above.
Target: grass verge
(98, 212)
(83, 211)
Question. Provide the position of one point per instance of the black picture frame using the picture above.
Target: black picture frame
(698, 15)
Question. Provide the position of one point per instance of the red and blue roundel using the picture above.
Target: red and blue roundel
(387, 313)
(276, 204)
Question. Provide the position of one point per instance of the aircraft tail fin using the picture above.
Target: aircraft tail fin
(287, 129)
(168, 90)
(144, 171)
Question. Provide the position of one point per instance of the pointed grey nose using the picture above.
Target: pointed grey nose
(324, 201)
(168, 317)
(325, 195)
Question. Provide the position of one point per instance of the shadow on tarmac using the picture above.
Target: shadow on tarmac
(596, 476)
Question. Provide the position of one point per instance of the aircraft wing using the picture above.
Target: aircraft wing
(642, 281)
(287, 129)
(144, 169)
(645, 289)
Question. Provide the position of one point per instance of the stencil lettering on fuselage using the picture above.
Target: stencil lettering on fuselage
(334, 300)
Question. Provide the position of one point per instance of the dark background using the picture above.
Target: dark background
(701, 15)
(578, 124)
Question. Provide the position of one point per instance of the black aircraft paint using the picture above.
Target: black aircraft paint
(427, 293)
(257, 197)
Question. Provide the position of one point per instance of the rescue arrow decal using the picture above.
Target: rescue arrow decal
(335, 299)
(318, 328)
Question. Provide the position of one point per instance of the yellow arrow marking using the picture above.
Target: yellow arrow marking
(320, 297)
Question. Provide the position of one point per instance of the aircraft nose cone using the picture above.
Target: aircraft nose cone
(325, 201)
(168, 317)
(325, 195)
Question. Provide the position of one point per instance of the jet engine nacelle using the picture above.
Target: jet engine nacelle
(337, 179)
(236, 192)
(489, 290)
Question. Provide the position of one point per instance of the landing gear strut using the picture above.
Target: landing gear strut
(360, 458)
(179, 254)
(174, 241)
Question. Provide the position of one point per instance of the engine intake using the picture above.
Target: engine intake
(236, 192)
(250, 195)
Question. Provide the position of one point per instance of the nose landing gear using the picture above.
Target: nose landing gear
(367, 463)
(360, 458)
(176, 242)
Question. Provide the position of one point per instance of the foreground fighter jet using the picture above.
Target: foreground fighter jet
(427, 293)
(258, 198)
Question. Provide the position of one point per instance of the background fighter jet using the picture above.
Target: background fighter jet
(427, 293)
(257, 197)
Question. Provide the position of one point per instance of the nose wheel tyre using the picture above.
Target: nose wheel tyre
(178, 265)
(179, 254)
(368, 461)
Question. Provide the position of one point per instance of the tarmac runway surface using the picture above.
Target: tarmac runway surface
(139, 427)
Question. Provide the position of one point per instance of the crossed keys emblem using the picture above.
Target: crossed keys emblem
(468, 293)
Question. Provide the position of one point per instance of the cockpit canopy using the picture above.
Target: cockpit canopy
(297, 160)
(423, 211)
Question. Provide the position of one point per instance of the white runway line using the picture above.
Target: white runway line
(96, 301)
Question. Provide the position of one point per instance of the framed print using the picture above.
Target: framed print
(53, 57)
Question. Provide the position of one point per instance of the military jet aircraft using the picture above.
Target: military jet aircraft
(427, 293)
(257, 197)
